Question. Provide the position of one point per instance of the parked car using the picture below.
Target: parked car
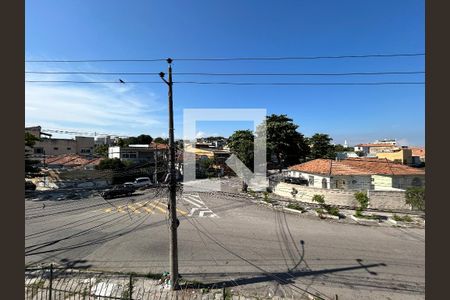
(117, 191)
(140, 182)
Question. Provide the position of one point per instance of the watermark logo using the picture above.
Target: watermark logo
(255, 180)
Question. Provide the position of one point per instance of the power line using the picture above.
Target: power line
(228, 74)
(234, 58)
(236, 83)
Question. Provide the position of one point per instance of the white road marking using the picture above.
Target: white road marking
(193, 203)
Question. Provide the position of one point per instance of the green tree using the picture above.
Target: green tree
(284, 142)
(241, 143)
(101, 150)
(160, 140)
(30, 164)
(110, 164)
(141, 139)
(321, 146)
(363, 201)
(415, 196)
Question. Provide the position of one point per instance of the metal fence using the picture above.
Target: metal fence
(53, 283)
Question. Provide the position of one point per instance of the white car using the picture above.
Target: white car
(140, 182)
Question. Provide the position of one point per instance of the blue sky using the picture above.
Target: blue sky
(158, 29)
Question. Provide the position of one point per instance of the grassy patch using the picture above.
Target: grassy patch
(296, 206)
(358, 214)
(404, 218)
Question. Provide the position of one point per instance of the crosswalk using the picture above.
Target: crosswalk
(197, 207)
(200, 208)
(149, 207)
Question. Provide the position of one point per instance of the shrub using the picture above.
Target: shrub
(332, 210)
(296, 206)
(415, 196)
(363, 201)
(404, 218)
(319, 199)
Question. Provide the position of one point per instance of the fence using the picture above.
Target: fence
(379, 200)
(53, 283)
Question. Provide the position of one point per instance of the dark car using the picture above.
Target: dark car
(117, 191)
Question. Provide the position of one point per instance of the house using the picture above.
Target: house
(373, 148)
(357, 174)
(71, 161)
(346, 154)
(140, 153)
(49, 146)
(418, 155)
(401, 156)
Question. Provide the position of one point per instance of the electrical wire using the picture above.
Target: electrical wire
(241, 83)
(377, 55)
(228, 74)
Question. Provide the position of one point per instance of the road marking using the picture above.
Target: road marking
(195, 198)
(182, 212)
(156, 205)
(193, 203)
(202, 212)
(140, 207)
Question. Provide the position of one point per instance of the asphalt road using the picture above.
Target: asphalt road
(231, 241)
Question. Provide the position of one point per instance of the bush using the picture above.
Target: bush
(404, 218)
(415, 196)
(332, 210)
(296, 206)
(363, 201)
(319, 199)
(110, 164)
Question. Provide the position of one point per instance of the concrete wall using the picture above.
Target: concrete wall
(81, 145)
(335, 182)
(382, 200)
(403, 156)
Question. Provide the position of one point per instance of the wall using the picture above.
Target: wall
(57, 146)
(84, 145)
(335, 182)
(403, 156)
(382, 200)
(316, 178)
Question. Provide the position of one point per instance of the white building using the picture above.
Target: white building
(357, 174)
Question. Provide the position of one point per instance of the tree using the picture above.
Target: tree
(110, 164)
(321, 146)
(101, 150)
(30, 164)
(415, 196)
(141, 139)
(160, 140)
(284, 142)
(241, 143)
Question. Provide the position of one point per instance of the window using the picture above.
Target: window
(354, 181)
(55, 148)
(85, 150)
(311, 180)
(68, 148)
(324, 183)
(38, 150)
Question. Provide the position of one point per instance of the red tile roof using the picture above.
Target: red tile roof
(159, 146)
(417, 151)
(72, 160)
(355, 166)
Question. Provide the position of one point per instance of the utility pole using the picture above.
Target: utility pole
(172, 188)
